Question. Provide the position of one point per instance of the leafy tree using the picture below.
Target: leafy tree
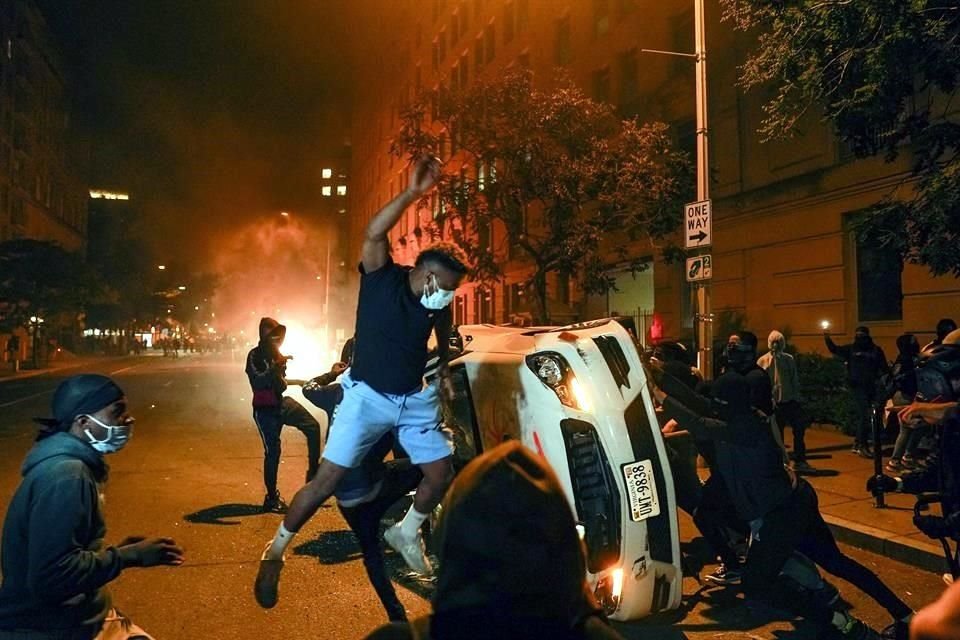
(41, 279)
(883, 74)
(556, 172)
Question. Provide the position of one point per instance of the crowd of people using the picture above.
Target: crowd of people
(521, 573)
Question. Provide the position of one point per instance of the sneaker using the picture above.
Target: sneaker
(856, 449)
(856, 630)
(273, 503)
(265, 588)
(802, 467)
(866, 452)
(411, 549)
(724, 576)
(894, 465)
(827, 596)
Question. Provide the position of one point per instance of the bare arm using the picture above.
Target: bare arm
(940, 619)
(376, 247)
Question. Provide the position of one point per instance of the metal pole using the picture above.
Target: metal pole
(326, 295)
(704, 316)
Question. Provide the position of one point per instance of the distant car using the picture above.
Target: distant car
(578, 396)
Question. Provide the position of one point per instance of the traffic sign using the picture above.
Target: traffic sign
(698, 224)
(699, 268)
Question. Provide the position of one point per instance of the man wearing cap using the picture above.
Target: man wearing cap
(54, 561)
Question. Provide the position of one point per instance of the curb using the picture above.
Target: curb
(916, 553)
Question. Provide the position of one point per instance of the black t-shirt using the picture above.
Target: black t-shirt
(390, 348)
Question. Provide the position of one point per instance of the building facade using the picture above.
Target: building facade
(41, 196)
(784, 254)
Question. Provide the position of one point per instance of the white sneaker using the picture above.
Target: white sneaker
(412, 549)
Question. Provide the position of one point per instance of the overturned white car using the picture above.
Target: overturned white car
(578, 396)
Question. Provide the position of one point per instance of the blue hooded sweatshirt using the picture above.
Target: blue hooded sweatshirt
(52, 556)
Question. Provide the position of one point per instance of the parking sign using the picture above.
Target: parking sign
(699, 268)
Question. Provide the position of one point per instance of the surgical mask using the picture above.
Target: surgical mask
(117, 436)
(438, 299)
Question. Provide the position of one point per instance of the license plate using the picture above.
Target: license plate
(641, 490)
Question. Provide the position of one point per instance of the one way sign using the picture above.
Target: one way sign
(698, 224)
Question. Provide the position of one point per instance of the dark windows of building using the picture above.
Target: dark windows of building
(601, 17)
(460, 310)
(490, 42)
(509, 20)
(563, 49)
(516, 301)
(629, 77)
(484, 305)
(478, 53)
(879, 284)
(601, 85)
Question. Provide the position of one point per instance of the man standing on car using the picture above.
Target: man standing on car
(54, 562)
(267, 371)
(398, 309)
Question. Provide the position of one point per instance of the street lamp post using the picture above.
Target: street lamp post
(703, 318)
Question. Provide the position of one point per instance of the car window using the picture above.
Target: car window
(460, 417)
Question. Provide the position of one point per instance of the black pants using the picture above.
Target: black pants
(399, 479)
(863, 399)
(270, 422)
(798, 525)
(715, 516)
(791, 413)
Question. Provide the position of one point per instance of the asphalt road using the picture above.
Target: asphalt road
(192, 471)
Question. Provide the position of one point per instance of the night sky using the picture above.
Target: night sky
(209, 113)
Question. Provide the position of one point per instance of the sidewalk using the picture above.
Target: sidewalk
(64, 364)
(850, 510)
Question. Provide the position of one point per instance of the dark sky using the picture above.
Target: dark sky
(209, 112)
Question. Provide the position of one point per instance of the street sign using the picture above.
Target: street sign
(699, 268)
(698, 224)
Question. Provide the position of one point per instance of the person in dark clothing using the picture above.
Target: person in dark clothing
(267, 370)
(945, 326)
(866, 363)
(780, 509)
(904, 381)
(741, 356)
(366, 493)
(518, 575)
(55, 564)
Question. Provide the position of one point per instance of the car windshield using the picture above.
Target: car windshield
(460, 418)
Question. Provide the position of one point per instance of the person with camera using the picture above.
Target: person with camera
(267, 372)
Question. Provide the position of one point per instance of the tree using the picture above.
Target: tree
(42, 280)
(556, 172)
(883, 74)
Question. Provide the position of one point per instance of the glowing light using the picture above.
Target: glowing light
(326, 191)
(182, 288)
(285, 214)
(824, 324)
(196, 308)
(326, 174)
(98, 194)
(311, 348)
(580, 395)
(617, 576)
(162, 267)
(341, 189)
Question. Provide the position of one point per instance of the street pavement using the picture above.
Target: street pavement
(192, 471)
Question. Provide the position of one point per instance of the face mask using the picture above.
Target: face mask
(740, 356)
(117, 436)
(437, 300)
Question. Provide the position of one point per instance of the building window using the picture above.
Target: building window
(489, 42)
(516, 299)
(460, 310)
(563, 52)
(879, 284)
(326, 191)
(629, 76)
(601, 85)
(483, 305)
(509, 20)
(601, 17)
(341, 189)
(326, 174)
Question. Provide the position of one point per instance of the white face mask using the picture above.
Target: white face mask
(117, 436)
(438, 299)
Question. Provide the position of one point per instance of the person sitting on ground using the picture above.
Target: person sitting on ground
(521, 574)
(54, 562)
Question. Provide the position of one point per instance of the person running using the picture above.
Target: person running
(397, 311)
(55, 564)
(267, 372)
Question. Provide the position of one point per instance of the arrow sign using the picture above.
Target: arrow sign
(698, 224)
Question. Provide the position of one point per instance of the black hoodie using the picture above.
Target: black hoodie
(53, 561)
(266, 368)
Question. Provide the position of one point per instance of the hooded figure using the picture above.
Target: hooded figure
(866, 363)
(266, 367)
(511, 562)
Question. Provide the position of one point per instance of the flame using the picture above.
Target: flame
(312, 349)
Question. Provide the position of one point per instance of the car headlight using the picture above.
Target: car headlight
(553, 370)
(609, 590)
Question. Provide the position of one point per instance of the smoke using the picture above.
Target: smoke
(278, 267)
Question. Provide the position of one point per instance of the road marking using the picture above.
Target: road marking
(113, 373)
(168, 383)
(32, 395)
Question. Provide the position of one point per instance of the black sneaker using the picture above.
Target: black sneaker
(724, 576)
(856, 449)
(856, 630)
(802, 467)
(273, 503)
(866, 452)
(897, 630)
